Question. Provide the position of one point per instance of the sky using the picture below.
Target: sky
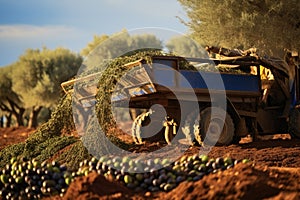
(72, 23)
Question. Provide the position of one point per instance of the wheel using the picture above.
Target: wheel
(147, 127)
(135, 129)
(214, 128)
(294, 123)
(191, 128)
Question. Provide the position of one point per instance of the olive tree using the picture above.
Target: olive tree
(37, 77)
(269, 25)
(116, 45)
(98, 39)
(185, 46)
(11, 103)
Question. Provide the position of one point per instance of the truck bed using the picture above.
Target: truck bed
(145, 82)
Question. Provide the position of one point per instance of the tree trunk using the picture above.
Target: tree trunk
(33, 117)
(2, 121)
(8, 120)
(19, 117)
(16, 110)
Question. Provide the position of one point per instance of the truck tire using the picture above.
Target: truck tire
(146, 128)
(211, 125)
(294, 123)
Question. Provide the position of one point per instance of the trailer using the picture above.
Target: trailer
(170, 102)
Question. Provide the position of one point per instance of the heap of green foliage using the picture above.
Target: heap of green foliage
(109, 78)
(46, 140)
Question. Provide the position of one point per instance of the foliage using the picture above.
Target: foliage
(6, 84)
(118, 44)
(33, 82)
(74, 155)
(186, 47)
(61, 119)
(107, 81)
(98, 39)
(38, 74)
(10, 102)
(47, 139)
(9, 152)
(269, 25)
(48, 148)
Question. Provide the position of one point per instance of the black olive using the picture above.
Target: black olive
(156, 182)
(179, 179)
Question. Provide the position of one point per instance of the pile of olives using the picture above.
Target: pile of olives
(158, 175)
(33, 180)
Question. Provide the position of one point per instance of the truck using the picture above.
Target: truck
(168, 101)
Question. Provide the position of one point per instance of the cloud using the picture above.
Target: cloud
(155, 8)
(31, 31)
(15, 39)
(33, 24)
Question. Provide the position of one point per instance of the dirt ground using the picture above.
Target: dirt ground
(13, 135)
(274, 173)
